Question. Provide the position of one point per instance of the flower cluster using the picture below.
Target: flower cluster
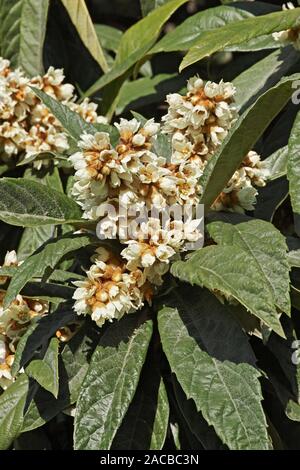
(289, 36)
(110, 289)
(133, 174)
(198, 123)
(14, 321)
(26, 125)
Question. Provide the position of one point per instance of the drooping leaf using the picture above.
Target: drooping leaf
(39, 332)
(146, 421)
(293, 168)
(224, 387)
(242, 137)
(12, 403)
(267, 247)
(136, 42)
(232, 271)
(46, 257)
(45, 371)
(29, 204)
(82, 21)
(110, 383)
(235, 33)
(22, 33)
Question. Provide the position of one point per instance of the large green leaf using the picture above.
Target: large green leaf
(189, 31)
(268, 249)
(263, 74)
(136, 42)
(293, 168)
(146, 421)
(235, 33)
(111, 382)
(242, 137)
(12, 403)
(45, 258)
(224, 387)
(82, 21)
(22, 33)
(45, 371)
(29, 204)
(232, 271)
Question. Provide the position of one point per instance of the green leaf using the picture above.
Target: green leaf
(39, 332)
(46, 257)
(139, 88)
(242, 137)
(26, 203)
(82, 21)
(224, 388)
(267, 247)
(146, 421)
(72, 122)
(45, 371)
(22, 33)
(110, 37)
(111, 382)
(277, 163)
(293, 167)
(148, 5)
(136, 42)
(235, 33)
(12, 403)
(191, 30)
(264, 74)
(233, 271)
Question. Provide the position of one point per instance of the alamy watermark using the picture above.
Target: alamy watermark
(131, 222)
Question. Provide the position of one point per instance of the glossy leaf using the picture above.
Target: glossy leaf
(235, 33)
(242, 137)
